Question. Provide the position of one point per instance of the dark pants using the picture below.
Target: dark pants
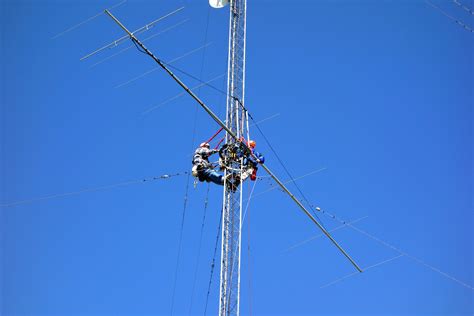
(212, 176)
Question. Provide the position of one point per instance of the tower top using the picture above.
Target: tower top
(218, 4)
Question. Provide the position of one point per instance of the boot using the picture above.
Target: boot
(194, 171)
(253, 176)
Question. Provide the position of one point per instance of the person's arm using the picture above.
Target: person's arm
(213, 151)
(205, 152)
(260, 157)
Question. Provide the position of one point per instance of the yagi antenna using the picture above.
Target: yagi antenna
(233, 135)
(138, 31)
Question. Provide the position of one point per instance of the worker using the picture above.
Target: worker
(252, 161)
(204, 171)
(202, 168)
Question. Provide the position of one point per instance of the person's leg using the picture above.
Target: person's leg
(213, 176)
(233, 181)
(246, 173)
(253, 176)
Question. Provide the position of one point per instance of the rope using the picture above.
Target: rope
(248, 201)
(138, 47)
(189, 176)
(156, 106)
(357, 273)
(104, 187)
(213, 262)
(466, 8)
(195, 78)
(401, 252)
(321, 235)
(184, 209)
(255, 123)
(462, 24)
(168, 63)
(249, 261)
(193, 146)
(218, 144)
(206, 202)
(273, 187)
(283, 165)
(213, 136)
(180, 240)
(230, 133)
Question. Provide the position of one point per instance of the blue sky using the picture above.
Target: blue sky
(377, 94)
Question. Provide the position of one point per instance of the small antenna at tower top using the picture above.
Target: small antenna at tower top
(218, 4)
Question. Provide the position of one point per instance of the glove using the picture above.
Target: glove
(259, 156)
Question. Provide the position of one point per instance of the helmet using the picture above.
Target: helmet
(204, 144)
(252, 144)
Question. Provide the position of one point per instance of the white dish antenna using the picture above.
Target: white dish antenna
(217, 4)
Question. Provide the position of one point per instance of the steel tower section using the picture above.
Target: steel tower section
(237, 122)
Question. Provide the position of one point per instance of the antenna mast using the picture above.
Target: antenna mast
(237, 122)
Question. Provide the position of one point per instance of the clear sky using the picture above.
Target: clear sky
(377, 95)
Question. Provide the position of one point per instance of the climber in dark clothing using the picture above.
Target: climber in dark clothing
(252, 160)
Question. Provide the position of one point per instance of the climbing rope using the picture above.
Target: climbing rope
(213, 263)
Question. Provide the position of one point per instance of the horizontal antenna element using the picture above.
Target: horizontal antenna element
(138, 31)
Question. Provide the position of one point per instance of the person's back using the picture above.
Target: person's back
(201, 156)
(202, 168)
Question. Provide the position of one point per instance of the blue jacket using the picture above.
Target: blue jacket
(259, 156)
